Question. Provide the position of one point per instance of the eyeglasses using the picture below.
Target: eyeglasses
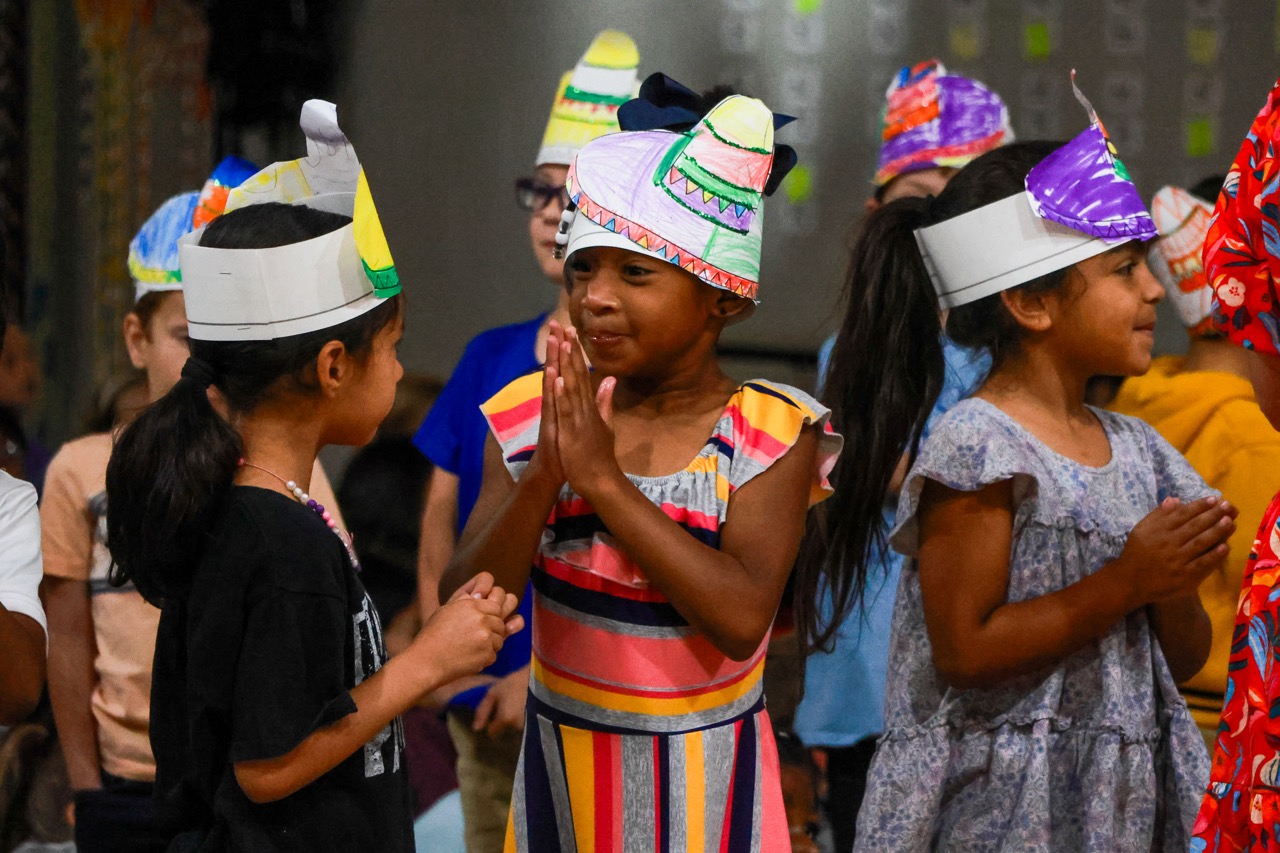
(533, 195)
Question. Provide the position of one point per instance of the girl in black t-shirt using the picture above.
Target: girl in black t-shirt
(274, 710)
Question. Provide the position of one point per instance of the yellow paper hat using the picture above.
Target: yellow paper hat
(587, 101)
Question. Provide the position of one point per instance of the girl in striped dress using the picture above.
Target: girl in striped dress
(656, 504)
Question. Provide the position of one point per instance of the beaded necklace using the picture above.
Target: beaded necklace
(316, 507)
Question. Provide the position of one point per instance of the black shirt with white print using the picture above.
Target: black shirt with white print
(275, 632)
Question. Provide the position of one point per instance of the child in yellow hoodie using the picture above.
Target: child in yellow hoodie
(1203, 404)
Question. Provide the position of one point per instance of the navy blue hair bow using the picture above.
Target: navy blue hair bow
(664, 104)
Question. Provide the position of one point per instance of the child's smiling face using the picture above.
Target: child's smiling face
(1107, 312)
(641, 316)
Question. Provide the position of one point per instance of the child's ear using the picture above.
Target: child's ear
(730, 304)
(1032, 311)
(334, 368)
(135, 340)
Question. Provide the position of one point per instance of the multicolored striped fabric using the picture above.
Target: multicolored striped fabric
(640, 734)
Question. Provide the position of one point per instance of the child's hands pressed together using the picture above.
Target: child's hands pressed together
(464, 636)
(545, 463)
(1175, 547)
(583, 428)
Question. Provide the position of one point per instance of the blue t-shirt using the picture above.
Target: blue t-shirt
(453, 437)
(844, 690)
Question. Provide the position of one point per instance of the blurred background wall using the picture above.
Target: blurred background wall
(130, 101)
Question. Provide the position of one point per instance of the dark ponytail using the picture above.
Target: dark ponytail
(173, 464)
(886, 373)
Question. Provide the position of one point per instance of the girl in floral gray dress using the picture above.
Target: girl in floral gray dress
(1051, 603)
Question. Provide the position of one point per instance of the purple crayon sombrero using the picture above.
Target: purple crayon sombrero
(1083, 185)
(938, 120)
(1079, 202)
(694, 199)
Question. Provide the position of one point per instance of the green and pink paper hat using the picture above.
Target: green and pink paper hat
(693, 198)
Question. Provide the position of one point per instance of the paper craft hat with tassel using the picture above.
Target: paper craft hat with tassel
(934, 119)
(1079, 202)
(263, 294)
(694, 199)
(153, 252)
(1175, 259)
(588, 98)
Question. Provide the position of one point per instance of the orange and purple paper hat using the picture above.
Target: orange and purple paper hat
(935, 120)
(693, 198)
(153, 252)
(1242, 248)
(1078, 202)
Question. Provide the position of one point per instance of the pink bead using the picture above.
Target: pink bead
(325, 515)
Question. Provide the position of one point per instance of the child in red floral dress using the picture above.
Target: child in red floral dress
(1241, 810)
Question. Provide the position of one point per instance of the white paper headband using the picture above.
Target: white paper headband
(997, 247)
(263, 294)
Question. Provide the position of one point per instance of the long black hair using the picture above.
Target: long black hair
(172, 466)
(887, 371)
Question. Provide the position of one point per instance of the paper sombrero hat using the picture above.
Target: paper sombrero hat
(694, 199)
(263, 294)
(1079, 202)
(587, 100)
(1175, 259)
(934, 119)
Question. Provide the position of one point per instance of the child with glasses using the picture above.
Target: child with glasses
(486, 712)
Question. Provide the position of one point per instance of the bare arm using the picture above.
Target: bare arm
(438, 537)
(1183, 628)
(22, 675)
(980, 639)
(435, 548)
(505, 527)
(72, 678)
(22, 637)
(462, 636)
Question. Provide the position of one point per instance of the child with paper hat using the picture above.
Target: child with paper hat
(651, 614)
(275, 720)
(934, 123)
(485, 715)
(1204, 405)
(102, 640)
(1241, 808)
(1051, 602)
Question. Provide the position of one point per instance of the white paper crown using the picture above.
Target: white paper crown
(263, 294)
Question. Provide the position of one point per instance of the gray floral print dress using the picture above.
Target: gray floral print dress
(1096, 753)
